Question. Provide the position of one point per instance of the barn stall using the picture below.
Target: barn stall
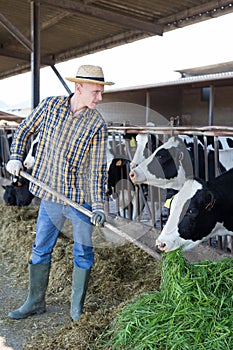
(148, 209)
(117, 277)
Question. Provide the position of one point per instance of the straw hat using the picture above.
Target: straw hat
(90, 74)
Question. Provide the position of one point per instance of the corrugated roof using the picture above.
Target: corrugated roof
(210, 69)
(6, 117)
(203, 80)
(71, 29)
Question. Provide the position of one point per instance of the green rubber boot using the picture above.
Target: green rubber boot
(79, 288)
(35, 303)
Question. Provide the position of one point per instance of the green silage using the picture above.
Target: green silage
(193, 310)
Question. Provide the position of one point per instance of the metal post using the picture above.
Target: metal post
(147, 106)
(211, 105)
(61, 80)
(35, 54)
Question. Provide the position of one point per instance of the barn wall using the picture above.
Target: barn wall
(185, 101)
(121, 106)
(195, 111)
(198, 110)
(124, 107)
(223, 112)
(167, 101)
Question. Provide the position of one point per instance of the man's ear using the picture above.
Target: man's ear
(78, 87)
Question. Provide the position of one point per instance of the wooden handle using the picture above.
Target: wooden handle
(85, 211)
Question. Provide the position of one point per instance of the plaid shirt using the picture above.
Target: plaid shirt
(71, 153)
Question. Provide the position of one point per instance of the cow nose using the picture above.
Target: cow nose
(160, 245)
(132, 175)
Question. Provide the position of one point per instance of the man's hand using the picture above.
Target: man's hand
(98, 218)
(14, 167)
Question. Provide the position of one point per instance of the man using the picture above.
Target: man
(71, 159)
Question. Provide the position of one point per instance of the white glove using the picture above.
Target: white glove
(98, 218)
(14, 167)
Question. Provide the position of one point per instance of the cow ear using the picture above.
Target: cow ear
(209, 200)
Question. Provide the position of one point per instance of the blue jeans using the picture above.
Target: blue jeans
(50, 221)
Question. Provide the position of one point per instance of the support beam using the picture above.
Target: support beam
(15, 32)
(147, 106)
(14, 54)
(45, 60)
(211, 105)
(106, 15)
(35, 55)
(61, 79)
(53, 21)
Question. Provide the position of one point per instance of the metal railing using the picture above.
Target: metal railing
(142, 203)
(153, 207)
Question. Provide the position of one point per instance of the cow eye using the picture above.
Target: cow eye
(192, 211)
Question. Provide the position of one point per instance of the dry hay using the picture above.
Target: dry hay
(120, 273)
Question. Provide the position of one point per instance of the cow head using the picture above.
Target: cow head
(146, 145)
(192, 218)
(9, 194)
(168, 167)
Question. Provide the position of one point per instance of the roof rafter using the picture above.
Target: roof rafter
(15, 32)
(45, 60)
(209, 9)
(50, 60)
(106, 15)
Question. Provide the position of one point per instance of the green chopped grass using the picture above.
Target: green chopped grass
(193, 310)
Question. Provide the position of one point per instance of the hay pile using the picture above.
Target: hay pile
(120, 273)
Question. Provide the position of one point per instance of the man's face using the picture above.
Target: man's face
(90, 94)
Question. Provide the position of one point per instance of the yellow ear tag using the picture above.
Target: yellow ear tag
(119, 162)
(167, 204)
(132, 142)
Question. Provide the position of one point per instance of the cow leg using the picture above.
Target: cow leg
(128, 211)
(35, 303)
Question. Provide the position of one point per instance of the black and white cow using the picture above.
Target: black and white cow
(130, 199)
(225, 146)
(200, 210)
(5, 144)
(17, 193)
(29, 161)
(173, 162)
(146, 145)
(121, 188)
